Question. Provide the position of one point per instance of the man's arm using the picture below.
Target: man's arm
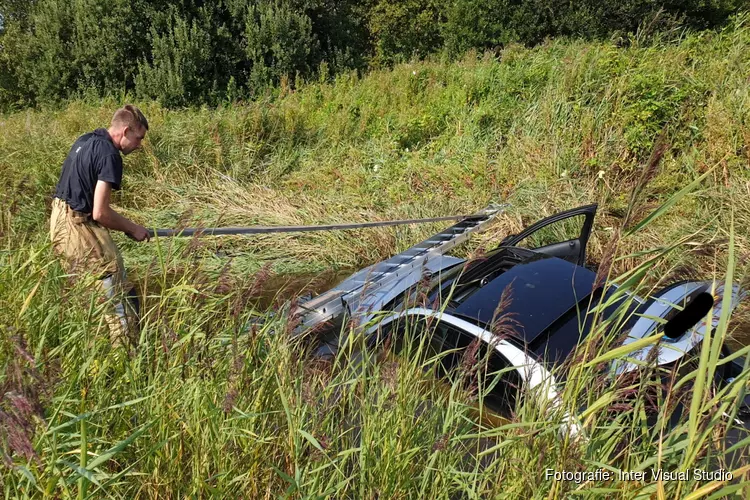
(107, 217)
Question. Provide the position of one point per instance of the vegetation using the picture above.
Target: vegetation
(207, 404)
(192, 52)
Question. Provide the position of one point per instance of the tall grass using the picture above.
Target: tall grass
(211, 402)
(213, 399)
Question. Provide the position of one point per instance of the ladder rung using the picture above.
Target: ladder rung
(438, 239)
(368, 284)
(411, 252)
(401, 259)
(386, 267)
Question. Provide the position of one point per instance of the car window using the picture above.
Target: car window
(556, 232)
(451, 352)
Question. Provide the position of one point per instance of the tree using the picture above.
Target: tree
(405, 29)
(109, 37)
(180, 54)
(280, 43)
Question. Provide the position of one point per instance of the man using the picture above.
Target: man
(82, 216)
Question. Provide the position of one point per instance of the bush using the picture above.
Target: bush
(181, 53)
(44, 55)
(280, 44)
(485, 24)
(109, 36)
(405, 29)
(56, 50)
(192, 52)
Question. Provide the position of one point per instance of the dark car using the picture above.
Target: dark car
(529, 303)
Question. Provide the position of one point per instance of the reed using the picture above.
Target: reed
(215, 400)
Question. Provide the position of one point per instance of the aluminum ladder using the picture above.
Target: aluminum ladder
(365, 292)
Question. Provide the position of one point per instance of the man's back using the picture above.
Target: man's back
(93, 157)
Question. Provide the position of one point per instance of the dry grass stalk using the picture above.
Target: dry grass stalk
(648, 173)
(608, 258)
(504, 324)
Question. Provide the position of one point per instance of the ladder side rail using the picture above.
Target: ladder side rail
(371, 287)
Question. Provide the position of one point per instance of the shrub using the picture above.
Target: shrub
(180, 54)
(405, 29)
(280, 43)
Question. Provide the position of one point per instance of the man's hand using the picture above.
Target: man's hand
(139, 233)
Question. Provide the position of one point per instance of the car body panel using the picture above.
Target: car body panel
(532, 373)
(552, 299)
(541, 291)
(673, 298)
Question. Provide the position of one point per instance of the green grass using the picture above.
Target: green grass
(203, 407)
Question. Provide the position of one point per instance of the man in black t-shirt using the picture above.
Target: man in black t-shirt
(82, 215)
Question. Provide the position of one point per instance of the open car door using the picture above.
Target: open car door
(562, 235)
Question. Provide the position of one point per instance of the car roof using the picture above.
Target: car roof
(542, 290)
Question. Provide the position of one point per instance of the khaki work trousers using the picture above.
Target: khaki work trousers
(86, 247)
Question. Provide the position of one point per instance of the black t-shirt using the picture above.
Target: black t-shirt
(92, 158)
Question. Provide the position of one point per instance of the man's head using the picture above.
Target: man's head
(128, 128)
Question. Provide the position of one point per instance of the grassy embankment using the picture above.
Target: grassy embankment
(199, 407)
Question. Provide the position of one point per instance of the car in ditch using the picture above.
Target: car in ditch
(526, 306)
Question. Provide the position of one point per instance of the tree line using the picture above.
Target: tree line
(189, 52)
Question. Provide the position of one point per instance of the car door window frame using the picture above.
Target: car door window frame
(587, 211)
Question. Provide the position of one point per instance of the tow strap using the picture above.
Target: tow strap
(217, 231)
